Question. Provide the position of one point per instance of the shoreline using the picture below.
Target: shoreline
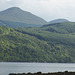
(40, 73)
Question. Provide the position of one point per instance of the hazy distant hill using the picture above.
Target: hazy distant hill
(17, 24)
(59, 21)
(17, 15)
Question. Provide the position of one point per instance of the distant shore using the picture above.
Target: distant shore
(40, 73)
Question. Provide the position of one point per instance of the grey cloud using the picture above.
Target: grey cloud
(47, 9)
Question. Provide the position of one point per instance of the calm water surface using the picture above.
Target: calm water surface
(6, 67)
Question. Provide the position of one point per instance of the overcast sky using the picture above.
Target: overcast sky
(46, 9)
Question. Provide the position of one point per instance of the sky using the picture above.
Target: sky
(46, 9)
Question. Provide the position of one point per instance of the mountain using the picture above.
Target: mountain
(59, 21)
(49, 43)
(17, 15)
(17, 24)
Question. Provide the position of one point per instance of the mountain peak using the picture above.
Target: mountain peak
(12, 9)
(59, 21)
(15, 14)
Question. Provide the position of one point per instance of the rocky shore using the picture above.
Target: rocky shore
(40, 73)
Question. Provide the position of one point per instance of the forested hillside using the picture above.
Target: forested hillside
(50, 43)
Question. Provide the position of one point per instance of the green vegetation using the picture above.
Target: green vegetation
(65, 27)
(50, 43)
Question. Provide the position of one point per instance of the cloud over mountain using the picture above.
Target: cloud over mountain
(47, 9)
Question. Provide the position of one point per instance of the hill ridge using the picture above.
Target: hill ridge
(59, 20)
(16, 14)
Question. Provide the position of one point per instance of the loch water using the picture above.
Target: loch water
(21, 67)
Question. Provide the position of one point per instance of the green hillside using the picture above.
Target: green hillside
(38, 44)
(65, 27)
